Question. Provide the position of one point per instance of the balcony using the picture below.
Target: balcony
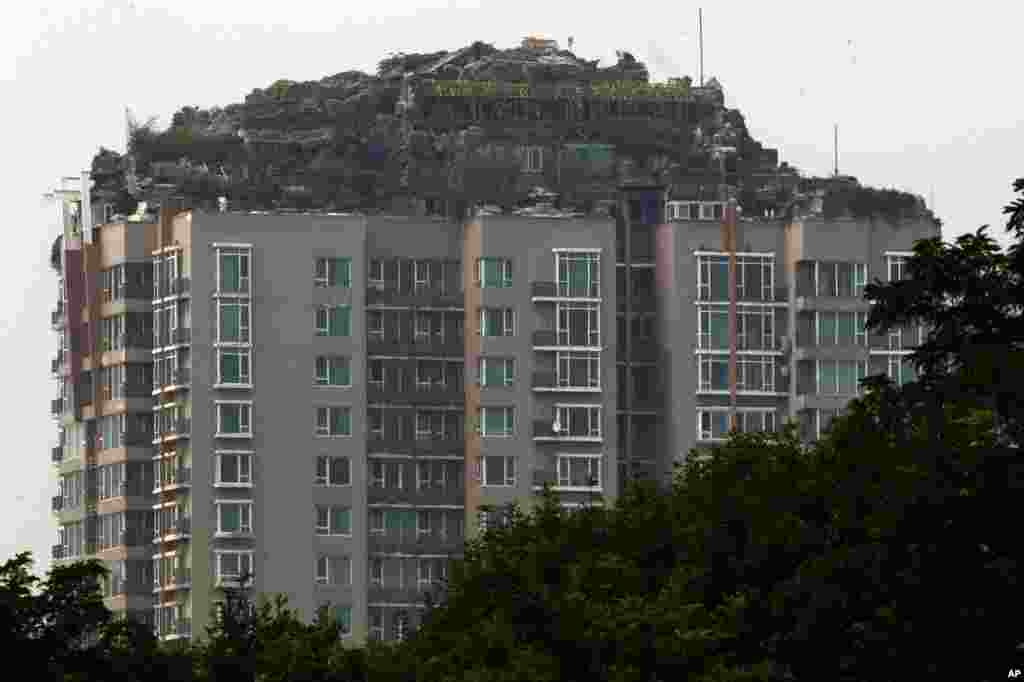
(428, 294)
(549, 291)
(640, 351)
(414, 542)
(423, 394)
(181, 530)
(57, 366)
(179, 378)
(178, 286)
(57, 318)
(180, 428)
(453, 494)
(542, 430)
(181, 579)
(128, 340)
(378, 344)
(549, 381)
(180, 478)
(56, 503)
(57, 407)
(57, 552)
(57, 454)
(134, 537)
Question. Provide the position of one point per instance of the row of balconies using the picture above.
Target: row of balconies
(378, 344)
(432, 293)
(415, 393)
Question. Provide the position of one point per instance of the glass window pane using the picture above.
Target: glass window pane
(847, 327)
(230, 368)
(230, 517)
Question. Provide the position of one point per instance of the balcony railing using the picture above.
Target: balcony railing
(57, 503)
(135, 437)
(57, 454)
(181, 578)
(433, 293)
(180, 428)
(57, 365)
(181, 528)
(181, 477)
(564, 290)
(434, 345)
(57, 407)
(178, 377)
(177, 286)
(135, 340)
(416, 393)
(551, 380)
(57, 317)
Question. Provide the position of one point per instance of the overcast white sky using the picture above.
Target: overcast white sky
(928, 98)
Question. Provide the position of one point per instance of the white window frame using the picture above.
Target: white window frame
(704, 313)
(377, 571)
(323, 430)
(505, 268)
(533, 159)
(767, 315)
(245, 371)
(244, 322)
(563, 374)
(562, 331)
(768, 367)
(246, 456)
(704, 363)
(766, 263)
(421, 324)
(482, 419)
(861, 365)
(372, 318)
(375, 274)
(593, 261)
(704, 287)
(421, 274)
(247, 510)
(328, 462)
(594, 420)
(897, 260)
(327, 530)
(373, 517)
(325, 328)
(508, 321)
(325, 378)
(232, 578)
(565, 483)
(244, 253)
(505, 362)
(508, 473)
(245, 418)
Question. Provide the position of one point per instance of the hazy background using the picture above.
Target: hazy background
(928, 98)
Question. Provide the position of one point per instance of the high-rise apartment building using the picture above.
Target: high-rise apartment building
(331, 401)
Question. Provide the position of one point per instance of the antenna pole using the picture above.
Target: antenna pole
(700, 32)
(835, 152)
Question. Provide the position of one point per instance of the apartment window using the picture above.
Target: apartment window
(845, 279)
(496, 371)
(333, 370)
(577, 421)
(333, 520)
(399, 520)
(755, 328)
(901, 370)
(234, 469)
(579, 324)
(860, 279)
(835, 328)
(385, 473)
(579, 471)
(421, 325)
(334, 421)
(375, 274)
(755, 373)
(376, 520)
(714, 372)
(713, 278)
(712, 424)
(579, 274)
(840, 377)
(332, 272)
(333, 471)
(333, 570)
(713, 327)
(497, 322)
(343, 619)
(335, 320)
(494, 273)
(499, 471)
(533, 159)
(234, 419)
(234, 322)
(234, 270)
(231, 566)
(752, 421)
(234, 367)
(376, 571)
(234, 517)
(375, 322)
(755, 277)
(579, 370)
(375, 422)
(421, 274)
(897, 267)
(496, 421)
(430, 571)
